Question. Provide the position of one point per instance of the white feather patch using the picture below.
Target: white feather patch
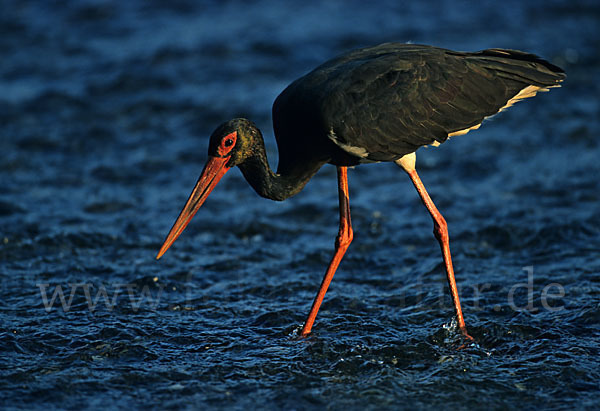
(355, 151)
(526, 92)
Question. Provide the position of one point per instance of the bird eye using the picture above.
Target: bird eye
(226, 144)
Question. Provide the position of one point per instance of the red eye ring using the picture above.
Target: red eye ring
(227, 143)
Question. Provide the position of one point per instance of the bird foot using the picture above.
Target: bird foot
(468, 341)
(298, 333)
(466, 334)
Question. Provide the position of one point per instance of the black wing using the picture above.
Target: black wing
(383, 102)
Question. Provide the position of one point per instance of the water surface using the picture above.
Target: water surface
(106, 108)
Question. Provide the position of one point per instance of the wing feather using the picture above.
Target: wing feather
(389, 100)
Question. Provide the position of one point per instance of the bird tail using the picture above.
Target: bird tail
(520, 66)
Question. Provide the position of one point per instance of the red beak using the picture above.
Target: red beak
(214, 169)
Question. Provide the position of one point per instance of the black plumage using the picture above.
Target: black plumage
(374, 104)
(391, 99)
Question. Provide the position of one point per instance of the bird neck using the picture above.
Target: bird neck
(275, 186)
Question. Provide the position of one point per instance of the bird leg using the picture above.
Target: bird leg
(440, 230)
(342, 241)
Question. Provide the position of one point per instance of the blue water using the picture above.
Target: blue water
(105, 111)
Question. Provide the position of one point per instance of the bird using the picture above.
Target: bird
(370, 105)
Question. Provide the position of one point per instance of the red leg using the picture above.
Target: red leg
(440, 230)
(342, 242)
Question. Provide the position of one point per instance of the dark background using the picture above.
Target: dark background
(105, 111)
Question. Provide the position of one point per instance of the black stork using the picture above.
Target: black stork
(370, 105)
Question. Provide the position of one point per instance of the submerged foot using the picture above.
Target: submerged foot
(468, 341)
